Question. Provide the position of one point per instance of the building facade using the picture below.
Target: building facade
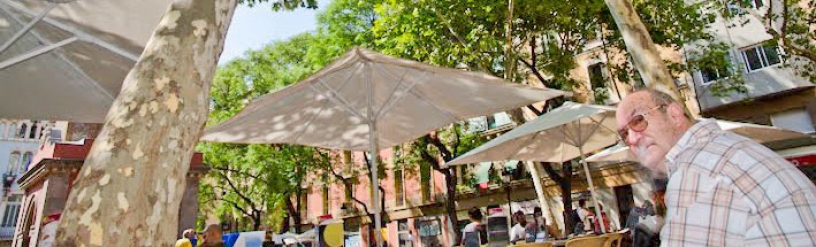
(19, 142)
(47, 181)
(774, 96)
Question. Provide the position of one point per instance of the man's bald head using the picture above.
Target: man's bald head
(651, 122)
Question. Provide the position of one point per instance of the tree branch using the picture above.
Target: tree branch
(534, 110)
(238, 192)
(551, 172)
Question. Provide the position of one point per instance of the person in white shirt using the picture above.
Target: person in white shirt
(518, 232)
(584, 214)
(472, 233)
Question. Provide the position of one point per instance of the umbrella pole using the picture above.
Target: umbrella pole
(375, 182)
(598, 216)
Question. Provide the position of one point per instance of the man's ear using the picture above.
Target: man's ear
(677, 113)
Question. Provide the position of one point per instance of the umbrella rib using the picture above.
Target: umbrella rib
(19, 34)
(89, 80)
(526, 143)
(306, 126)
(567, 134)
(393, 101)
(334, 96)
(345, 81)
(603, 126)
(337, 101)
(78, 33)
(594, 128)
(391, 94)
(447, 114)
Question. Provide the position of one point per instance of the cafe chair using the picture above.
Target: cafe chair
(598, 241)
(545, 244)
(613, 239)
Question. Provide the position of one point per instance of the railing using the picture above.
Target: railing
(7, 232)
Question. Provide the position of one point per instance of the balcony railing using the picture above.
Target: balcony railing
(7, 232)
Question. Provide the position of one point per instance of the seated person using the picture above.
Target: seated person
(519, 230)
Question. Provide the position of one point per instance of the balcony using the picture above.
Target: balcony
(760, 83)
(492, 124)
(6, 232)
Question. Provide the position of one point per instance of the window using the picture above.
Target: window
(14, 162)
(303, 207)
(755, 4)
(737, 7)
(596, 76)
(426, 182)
(26, 162)
(758, 57)
(350, 188)
(32, 134)
(10, 215)
(709, 75)
(404, 234)
(430, 232)
(21, 133)
(10, 131)
(326, 202)
(399, 186)
(796, 119)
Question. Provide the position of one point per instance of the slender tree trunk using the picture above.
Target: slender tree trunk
(564, 181)
(291, 215)
(129, 189)
(566, 192)
(256, 220)
(450, 204)
(640, 46)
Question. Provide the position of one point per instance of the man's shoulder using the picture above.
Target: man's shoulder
(723, 146)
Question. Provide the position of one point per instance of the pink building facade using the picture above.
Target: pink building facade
(412, 204)
(50, 176)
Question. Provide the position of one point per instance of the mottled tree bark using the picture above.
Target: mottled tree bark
(129, 189)
(640, 46)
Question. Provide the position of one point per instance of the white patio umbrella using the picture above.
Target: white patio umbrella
(757, 132)
(560, 135)
(365, 100)
(75, 54)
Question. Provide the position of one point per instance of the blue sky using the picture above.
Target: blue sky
(253, 28)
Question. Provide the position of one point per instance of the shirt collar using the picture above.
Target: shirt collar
(693, 135)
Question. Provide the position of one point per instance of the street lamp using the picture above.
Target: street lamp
(8, 181)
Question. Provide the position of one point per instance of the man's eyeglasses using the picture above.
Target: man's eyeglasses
(638, 123)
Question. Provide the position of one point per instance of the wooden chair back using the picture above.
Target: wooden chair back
(597, 241)
(613, 239)
(544, 244)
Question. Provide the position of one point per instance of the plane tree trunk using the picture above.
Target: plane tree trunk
(642, 49)
(129, 189)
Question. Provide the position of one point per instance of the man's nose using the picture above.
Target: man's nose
(633, 137)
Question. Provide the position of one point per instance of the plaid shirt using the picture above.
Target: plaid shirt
(727, 190)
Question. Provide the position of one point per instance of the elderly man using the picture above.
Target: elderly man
(723, 189)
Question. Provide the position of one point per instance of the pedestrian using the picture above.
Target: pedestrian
(211, 236)
(474, 233)
(723, 189)
(188, 239)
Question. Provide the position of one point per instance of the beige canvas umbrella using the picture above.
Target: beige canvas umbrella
(563, 134)
(759, 133)
(366, 100)
(75, 54)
